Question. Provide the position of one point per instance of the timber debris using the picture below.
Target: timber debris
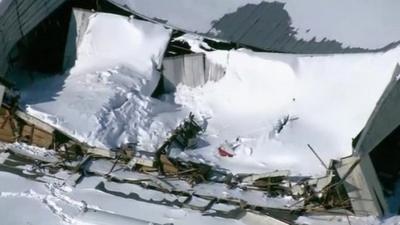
(164, 171)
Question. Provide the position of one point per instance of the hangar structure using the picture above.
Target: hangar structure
(33, 33)
(39, 35)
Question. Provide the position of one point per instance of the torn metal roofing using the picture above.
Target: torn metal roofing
(385, 118)
(284, 26)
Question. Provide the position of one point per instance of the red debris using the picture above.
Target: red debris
(224, 152)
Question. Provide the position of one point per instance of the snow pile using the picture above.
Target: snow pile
(32, 152)
(272, 106)
(105, 98)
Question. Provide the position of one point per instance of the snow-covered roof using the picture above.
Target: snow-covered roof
(312, 26)
(104, 100)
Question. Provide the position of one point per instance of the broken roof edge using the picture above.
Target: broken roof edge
(170, 26)
(367, 142)
(362, 186)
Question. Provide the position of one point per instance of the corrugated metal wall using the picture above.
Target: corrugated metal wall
(18, 20)
(192, 70)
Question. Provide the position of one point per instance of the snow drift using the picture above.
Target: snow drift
(275, 105)
(104, 99)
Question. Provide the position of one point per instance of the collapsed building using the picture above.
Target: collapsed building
(42, 36)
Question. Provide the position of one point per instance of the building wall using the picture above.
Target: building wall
(77, 26)
(192, 70)
(18, 20)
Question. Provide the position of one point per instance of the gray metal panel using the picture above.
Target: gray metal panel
(385, 118)
(173, 72)
(187, 69)
(232, 24)
(214, 72)
(362, 186)
(248, 23)
(19, 19)
(4, 4)
(194, 75)
(260, 32)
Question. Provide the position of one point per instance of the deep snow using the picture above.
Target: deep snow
(326, 100)
(104, 99)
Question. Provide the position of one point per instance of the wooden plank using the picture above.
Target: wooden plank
(32, 120)
(6, 131)
(37, 137)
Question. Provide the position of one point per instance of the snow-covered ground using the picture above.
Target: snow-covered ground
(53, 202)
(368, 24)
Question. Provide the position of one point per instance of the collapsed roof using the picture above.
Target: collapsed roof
(283, 26)
(273, 26)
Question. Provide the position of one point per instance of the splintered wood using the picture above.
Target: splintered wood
(14, 129)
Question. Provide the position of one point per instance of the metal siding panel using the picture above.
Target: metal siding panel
(9, 12)
(34, 15)
(31, 13)
(273, 33)
(54, 4)
(249, 23)
(262, 30)
(42, 11)
(194, 75)
(384, 119)
(290, 45)
(360, 184)
(11, 17)
(227, 23)
(280, 34)
(283, 41)
(214, 71)
(233, 25)
(173, 72)
(26, 5)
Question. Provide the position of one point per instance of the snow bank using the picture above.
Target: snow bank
(105, 100)
(277, 104)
